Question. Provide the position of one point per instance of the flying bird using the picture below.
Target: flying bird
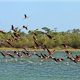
(49, 36)
(65, 46)
(34, 38)
(12, 27)
(9, 43)
(10, 55)
(25, 27)
(37, 45)
(3, 54)
(34, 33)
(25, 16)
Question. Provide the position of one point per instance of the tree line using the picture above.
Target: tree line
(50, 38)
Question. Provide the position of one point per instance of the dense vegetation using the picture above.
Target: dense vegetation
(70, 37)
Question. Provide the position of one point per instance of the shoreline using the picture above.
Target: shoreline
(30, 49)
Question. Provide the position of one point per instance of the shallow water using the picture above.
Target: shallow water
(35, 69)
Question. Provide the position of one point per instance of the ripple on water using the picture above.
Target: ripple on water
(34, 69)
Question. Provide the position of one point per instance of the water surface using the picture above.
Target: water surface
(35, 69)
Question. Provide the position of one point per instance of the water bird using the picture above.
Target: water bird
(25, 16)
(27, 52)
(12, 27)
(49, 52)
(43, 56)
(65, 46)
(38, 55)
(34, 38)
(58, 59)
(17, 53)
(10, 55)
(3, 54)
(34, 33)
(9, 43)
(37, 45)
(77, 58)
(69, 56)
(25, 27)
(49, 36)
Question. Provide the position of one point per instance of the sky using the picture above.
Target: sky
(60, 14)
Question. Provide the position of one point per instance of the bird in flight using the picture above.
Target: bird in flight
(25, 27)
(25, 16)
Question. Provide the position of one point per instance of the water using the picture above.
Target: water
(35, 69)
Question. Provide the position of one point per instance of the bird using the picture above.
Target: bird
(43, 56)
(12, 27)
(34, 38)
(49, 52)
(25, 49)
(25, 27)
(60, 59)
(65, 46)
(25, 16)
(77, 58)
(38, 55)
(49, 36)
(69, 56)
(37, 45)
(17, 53)
(25, 53)
(10, 55)
(3, 54)
(34, 33)
(9, 43)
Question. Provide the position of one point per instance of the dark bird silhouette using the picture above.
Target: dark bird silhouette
(16, 36)
(10, 55)
(49, 36)
(72, 59)
(25, 49)
(68, 53)
(25, 16)
(34, 33)
(69, 56)
(49, 52)
(38, 55)
(34, 38)
(17, 54)
(77, 58)
(65, 46)
(25, 27)
(12, 27)
(60, 59)
(9, 43)
(37, 45)
(43, 56)
(10, 40)
(3, 54)
(25, 53)
(55, 59)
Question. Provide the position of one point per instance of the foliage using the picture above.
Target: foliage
(70, 37)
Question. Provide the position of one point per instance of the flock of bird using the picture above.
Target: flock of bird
(25, 53)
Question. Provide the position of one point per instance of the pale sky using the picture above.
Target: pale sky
(61, 14)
